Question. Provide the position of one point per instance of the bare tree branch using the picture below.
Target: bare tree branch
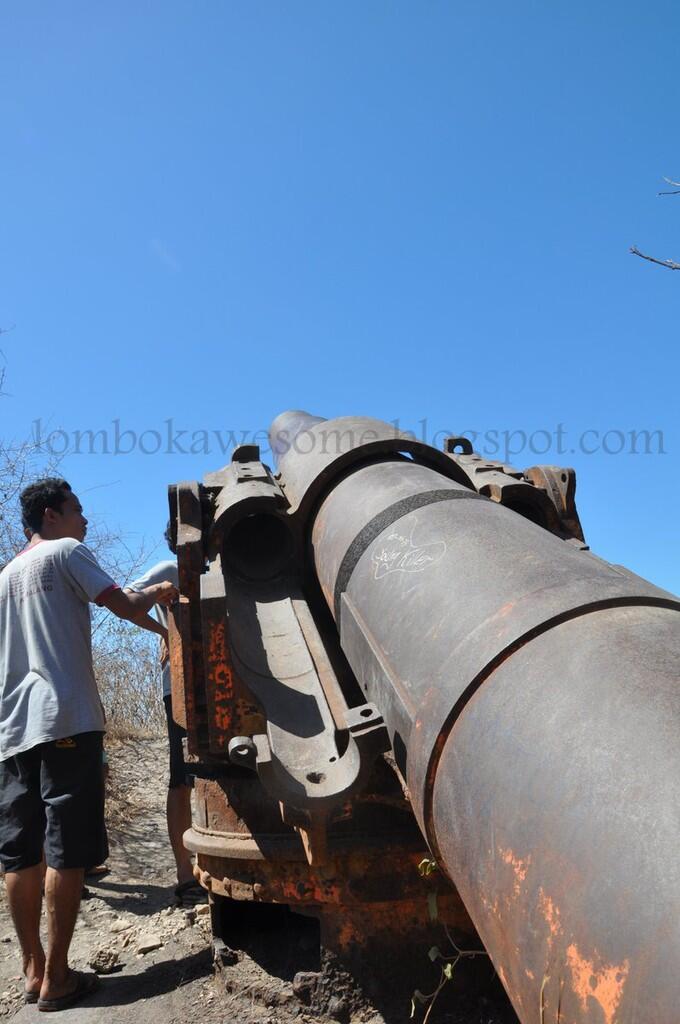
(676, 186)
(669, 264)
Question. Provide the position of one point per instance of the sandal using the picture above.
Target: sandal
(85, 985)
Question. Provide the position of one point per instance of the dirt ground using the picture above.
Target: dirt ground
(159, 956)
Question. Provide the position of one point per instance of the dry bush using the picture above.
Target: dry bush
(128, 674)
(126, 657)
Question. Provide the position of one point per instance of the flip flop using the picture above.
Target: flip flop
(85, 985)
(31, 997)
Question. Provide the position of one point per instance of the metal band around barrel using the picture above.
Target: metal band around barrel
(375, 527)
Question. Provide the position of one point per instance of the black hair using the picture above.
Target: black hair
(51, 492)
(171, 536)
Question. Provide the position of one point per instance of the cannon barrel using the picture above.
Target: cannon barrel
(530, 693)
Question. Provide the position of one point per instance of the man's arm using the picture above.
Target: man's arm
(134, 605)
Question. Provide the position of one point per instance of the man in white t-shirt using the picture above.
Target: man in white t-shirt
(51, 730)
(178, 805)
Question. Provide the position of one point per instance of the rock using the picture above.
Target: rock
(104, 961)
(304, 985)
(119, 925)
(202, 909)
(7, 938)
(223, 955)
(285, 998)
(338, 1009)
(149, 942)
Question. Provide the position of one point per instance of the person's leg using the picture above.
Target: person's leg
(178, 809)
(178, 804)
(72, 787)
(63, 890)
(22, 826)
(24, 895)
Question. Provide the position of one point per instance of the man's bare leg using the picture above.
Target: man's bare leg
(63, 891)
(178, 809)
(24, 895)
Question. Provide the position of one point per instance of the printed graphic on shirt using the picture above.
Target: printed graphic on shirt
(34, 578)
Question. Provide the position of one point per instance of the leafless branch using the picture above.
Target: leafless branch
(676, 187)
(669, 264)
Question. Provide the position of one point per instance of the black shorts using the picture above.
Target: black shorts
(178, 772)
(52, 798)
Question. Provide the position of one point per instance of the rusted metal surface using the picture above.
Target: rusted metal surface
(571, 873)
(184, 624)
(546, 495)
(376, 594)
(377, 915)
(312, 453)
(447, 610)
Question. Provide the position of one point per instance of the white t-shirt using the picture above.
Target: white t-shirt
(162, 572)
(47, 685)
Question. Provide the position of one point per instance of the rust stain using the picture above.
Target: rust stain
(493, 908)
(530, 974)
(519, 867)
(347, 935)
(501, 975)
(216, 642)
(222, 717)
(551, 913)
(603, 984)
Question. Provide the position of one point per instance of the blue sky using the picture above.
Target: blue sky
(212, 212)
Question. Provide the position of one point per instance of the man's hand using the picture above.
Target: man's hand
(135, 605)
(163, 593)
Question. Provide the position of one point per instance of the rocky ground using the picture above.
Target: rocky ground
(155, 959)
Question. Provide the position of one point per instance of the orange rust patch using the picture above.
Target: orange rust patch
(550, 912)
(501, 975)
(603, 984)
(530, 974)
(216, 642)
(347, 935)
(493, 908)
(519, 867)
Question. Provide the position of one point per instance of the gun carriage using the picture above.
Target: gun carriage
(385, 653)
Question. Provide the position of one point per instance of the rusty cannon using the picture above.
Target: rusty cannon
(385, 653)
